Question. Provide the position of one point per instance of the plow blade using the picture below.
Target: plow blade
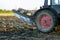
(23, 18)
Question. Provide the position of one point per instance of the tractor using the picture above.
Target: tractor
(46, 18)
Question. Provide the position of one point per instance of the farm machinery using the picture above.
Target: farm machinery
(46, 18)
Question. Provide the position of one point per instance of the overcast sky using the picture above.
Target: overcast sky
(25, 4)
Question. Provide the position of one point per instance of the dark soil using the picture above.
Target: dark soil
(23, 34)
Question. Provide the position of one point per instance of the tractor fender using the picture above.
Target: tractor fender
(50, 9)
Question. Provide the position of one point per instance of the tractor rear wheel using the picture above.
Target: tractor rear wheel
(45, 21)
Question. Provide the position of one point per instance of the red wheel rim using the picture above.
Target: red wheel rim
(45, 21)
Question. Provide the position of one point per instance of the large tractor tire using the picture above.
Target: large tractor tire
(45, 21)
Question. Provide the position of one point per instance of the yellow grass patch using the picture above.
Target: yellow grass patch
(7, 14)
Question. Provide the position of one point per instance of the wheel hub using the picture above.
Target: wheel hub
(45, 21)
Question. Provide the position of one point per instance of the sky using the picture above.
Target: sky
(25, 4)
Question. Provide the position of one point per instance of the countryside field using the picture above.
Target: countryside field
(9, 23)
(7, 18)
